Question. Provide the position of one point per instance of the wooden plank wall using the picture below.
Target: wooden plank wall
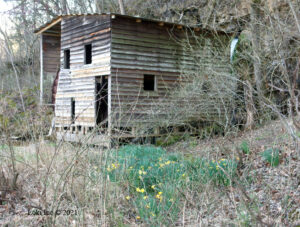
(138, 49)
(51, 53)
(146, 48)
(78, 82)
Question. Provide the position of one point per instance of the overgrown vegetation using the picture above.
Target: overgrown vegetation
(153, 179)
(245, 178)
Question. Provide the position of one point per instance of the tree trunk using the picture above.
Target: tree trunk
(98, 7)
(255, 16)
(121, 4)
(64, 7)
(250, 108)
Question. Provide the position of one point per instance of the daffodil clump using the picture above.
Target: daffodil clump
(154, 178)
(219, 172)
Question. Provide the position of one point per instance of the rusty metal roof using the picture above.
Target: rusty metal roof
(59, 18)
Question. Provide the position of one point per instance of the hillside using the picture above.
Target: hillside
(260, 194)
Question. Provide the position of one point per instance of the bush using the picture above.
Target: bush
(153, 179)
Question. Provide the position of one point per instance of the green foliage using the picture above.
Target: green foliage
(153, 179)
(271, 156)
(168, 141)
(245, 147)
(218, 172)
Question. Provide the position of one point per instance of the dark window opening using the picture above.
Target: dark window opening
(101, 100)
(73, 110)
(149, 82)
(67, 59)
(88, 54)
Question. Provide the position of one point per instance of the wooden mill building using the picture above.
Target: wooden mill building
(112, 69)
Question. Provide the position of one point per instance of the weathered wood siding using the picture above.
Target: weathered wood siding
(51, 53)
(148, 48)
(78, 82)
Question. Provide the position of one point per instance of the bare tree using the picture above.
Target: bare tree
(121, 4)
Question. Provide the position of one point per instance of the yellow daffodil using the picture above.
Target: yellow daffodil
(127, 197)
(168, 162)
(153, 186)
(145, 197)
(138, 217)
(140, 190)
(159, 196)
(142, 172)
(147, 206)
(183, 175)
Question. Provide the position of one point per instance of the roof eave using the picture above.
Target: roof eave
(48, 25)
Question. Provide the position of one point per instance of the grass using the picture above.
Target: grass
(271, 156)
(245, 147)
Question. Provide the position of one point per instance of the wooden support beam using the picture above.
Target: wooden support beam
(133, 131)
(41, 70)
(161, 24)
(179, 26)
(156, 131)
(138, 20)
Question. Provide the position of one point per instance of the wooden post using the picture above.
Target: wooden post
(41, 70)
(109, 120)
(156, 131)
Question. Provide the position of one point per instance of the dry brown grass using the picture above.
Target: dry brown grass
(69, 177)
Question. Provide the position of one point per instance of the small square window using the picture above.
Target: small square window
(66, 59)
(149, 82)
(88, 54)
